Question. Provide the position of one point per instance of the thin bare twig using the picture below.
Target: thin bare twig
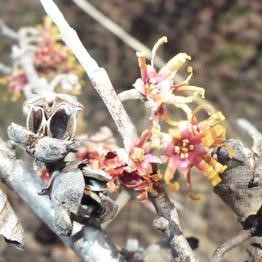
(248, 127)
(116, 29)
(4, 69)
(130, 94)
(8, 32)
(121, 201)
(230, 244)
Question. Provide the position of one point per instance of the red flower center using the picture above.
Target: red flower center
(183, 147)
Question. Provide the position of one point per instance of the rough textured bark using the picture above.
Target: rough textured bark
(241, 190)
(170, 225)
(89, 242)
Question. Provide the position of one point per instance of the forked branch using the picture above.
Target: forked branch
(180, 248)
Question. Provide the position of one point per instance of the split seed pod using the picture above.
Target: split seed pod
(53, 116)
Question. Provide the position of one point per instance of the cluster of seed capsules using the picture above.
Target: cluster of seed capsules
(73, 186)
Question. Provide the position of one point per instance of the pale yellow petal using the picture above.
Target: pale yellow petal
(174, 64)
(160, 42)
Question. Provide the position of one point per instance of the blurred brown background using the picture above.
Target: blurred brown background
(224, 39)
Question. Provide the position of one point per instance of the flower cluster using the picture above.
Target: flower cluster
(136, 170)
(189, 142)
(52, 60)
(51, 56)
(17, 82)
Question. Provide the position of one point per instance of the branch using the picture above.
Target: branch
(97, 75)
(90, 243)
(170, 225)
(131, 94)
(4, 69)
(248, 127)
(8, 32)
(230, 244)
(116, 29)
(102, 84)
(121, 202)
(241, 187)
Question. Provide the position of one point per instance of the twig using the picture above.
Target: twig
(4, 69)
(230, 244)
(116, 29)
(248, 127)
(121, 201)
(131, 94)
(90, 243)
(8, 32)
(180, 248)
(97, 75)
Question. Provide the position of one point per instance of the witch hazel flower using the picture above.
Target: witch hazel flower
(17, 82)
(52, 60)
(142, 173)
(94, 148)
(190, 144)
(137, 169)
(157, 87)
(51, 55)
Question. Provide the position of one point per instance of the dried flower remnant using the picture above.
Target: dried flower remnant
(158, 88)
(144, 179)
(191, 144)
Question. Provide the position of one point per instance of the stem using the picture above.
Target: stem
(115, 29)
(230, 244)
(180, 248)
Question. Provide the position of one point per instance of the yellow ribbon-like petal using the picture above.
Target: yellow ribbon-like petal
(173, 65)
(160, 42)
